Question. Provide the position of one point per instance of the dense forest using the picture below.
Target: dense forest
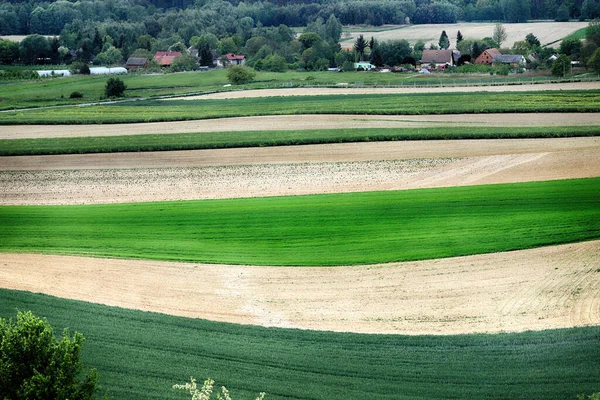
(189, 18)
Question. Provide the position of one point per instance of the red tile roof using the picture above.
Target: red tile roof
(166, 57)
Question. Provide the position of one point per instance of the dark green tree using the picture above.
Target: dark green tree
(9, 52)
(35, 365)
(592, 32)
(459, 37)
(34, 47)
(562, 14)
(561, 66)
(532, 40)
(360, 45)
(571, 47)
(444, 42)
(377, 58)
(594, 62)
(114, 87)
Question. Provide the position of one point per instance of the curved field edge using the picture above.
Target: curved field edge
(365, 104)
(334, 229)
(140, 355)
(221, 140)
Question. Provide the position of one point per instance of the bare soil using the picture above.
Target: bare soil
(300, 122)
(552, 287)
(282, 171)
(546, 32)
(395, 90)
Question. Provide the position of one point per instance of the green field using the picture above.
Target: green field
(56, 91)
(219, 140)
(375, 104)
(140, 355)
(337, 229)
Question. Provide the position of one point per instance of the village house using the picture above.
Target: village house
(231, 59)
(165, 58)
(438, 58)
(487, 57)
(134, 63)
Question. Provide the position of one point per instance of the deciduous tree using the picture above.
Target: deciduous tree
(36, 365)
(499, 34)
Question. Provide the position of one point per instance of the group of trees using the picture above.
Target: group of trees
(186, 18)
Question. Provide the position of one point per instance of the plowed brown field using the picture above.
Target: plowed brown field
(544, 288)
(552, 287)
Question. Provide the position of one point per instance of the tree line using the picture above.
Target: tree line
(188, 18)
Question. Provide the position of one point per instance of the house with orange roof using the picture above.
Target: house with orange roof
(165, 58)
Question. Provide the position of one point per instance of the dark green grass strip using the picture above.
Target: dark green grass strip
(141, 355)
(379, 104)
(340, 229)
(195, 141)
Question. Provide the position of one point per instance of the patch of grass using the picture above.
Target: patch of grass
(140, 355)
(366, 104)
(218, 140)
(337, 229)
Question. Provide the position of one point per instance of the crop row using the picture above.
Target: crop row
(217, 140)
(139, 355)
(376, 104)
(334, 229)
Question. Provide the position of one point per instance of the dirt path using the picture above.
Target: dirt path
(396, 90)
(299, 122)
(552, 287)
(277, 171)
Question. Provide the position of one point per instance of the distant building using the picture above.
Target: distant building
(487, 57)
(231, 59)
(514, 60)
(134, 63)
(364, 65)
(439, 58)
(165, 58)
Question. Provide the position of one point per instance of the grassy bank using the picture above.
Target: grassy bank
(219, 140)
(140, 355)
(374, 104)
(340, 229)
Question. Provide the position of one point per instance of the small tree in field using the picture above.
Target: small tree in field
(35, 365)
(239, 74)
(114, 87)
(561, 66)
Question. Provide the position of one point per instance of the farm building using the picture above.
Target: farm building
(364, 65)
(231, 59)
(487, 57)
(439, 58)
(134, 63)
(515, 60)
(165, 58)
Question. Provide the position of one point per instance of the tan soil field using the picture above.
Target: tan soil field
(294, 170)
(300, 122)
(392, 90)
(545, 288)
(551, 287)
(546, 32)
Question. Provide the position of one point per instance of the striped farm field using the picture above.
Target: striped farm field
(336, 229)
(367, 104)
(140, 355)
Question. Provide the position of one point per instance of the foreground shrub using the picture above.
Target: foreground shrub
(35, 365)
(114, 87)
(76, 95)
(205, 392)
(238, 74)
